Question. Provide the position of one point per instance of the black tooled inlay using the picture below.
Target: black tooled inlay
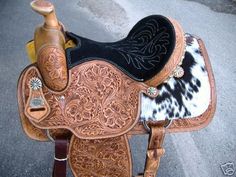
(141, 55)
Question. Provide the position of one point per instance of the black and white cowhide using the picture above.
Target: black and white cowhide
(186, 97)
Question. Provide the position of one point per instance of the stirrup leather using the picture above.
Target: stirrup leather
(155, 149)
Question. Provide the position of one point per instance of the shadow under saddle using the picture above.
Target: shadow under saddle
(89, 97)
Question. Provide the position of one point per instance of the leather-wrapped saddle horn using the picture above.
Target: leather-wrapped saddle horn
(49, 43)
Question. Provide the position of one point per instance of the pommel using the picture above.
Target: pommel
(49, 43)
(42, 7)
(46, 9)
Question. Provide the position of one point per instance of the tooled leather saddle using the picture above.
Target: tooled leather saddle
(89, 97)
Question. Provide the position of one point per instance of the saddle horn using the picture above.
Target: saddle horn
(49, 42)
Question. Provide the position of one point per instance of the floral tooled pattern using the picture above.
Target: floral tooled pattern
(105, 157)
(52, 64)
(100, 101)
(32, 131)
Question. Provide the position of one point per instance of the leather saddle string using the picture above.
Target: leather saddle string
(60, 158)
(155, 150)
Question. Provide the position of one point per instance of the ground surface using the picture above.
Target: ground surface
(196, 154)
(226, 6)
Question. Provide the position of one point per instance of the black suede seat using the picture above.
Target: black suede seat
(141, 55)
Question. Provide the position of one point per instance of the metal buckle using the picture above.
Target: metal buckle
(61, 160)
(49, 136)
(168, 123)
(53, 140)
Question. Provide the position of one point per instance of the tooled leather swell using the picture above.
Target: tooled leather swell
(99, 101)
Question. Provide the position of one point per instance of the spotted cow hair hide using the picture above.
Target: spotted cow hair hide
(186, 97)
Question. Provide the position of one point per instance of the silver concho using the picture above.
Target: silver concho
(35, 83)
(178, 72)
(152, 91)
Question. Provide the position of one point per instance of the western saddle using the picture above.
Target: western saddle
(89, 97)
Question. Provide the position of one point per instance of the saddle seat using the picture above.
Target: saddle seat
(149, 53)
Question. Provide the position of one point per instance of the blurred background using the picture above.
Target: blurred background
(195, 154)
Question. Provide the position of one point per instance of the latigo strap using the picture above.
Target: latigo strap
(60, 159)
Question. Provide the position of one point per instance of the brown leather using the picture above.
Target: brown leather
(60, 159)
(36, 106)
(155, 149)
(46, 9)
(29, 129)
(49, 43)
(99, 102)
(102, 157)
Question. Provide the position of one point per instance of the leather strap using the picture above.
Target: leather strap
(60, 159)
(155, 150)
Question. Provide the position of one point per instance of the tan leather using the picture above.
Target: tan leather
(46, 9)
(155, 150)
(29, 129)
(102, 157)
(30, 49)
(36, 106)
(49, 41)
(99, 102)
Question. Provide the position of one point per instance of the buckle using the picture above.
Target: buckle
(60, 160)
(166, 125)
(49, 136)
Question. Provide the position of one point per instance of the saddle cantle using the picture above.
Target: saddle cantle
(89, 97)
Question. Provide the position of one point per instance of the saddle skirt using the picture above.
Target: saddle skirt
(156, 74)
